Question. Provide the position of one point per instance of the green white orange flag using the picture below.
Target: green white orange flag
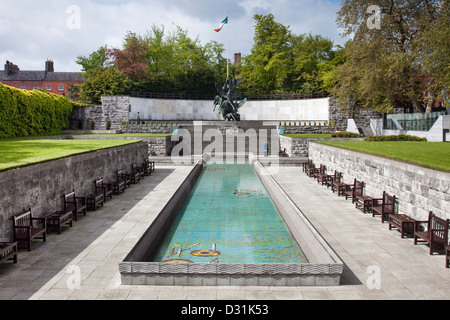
(224, 22)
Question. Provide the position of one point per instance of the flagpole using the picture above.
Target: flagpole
(228, 45)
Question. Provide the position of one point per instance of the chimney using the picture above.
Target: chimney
(237, 58)
(10, 68)
(49, 66)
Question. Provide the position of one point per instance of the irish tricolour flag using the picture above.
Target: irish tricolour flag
(224, 22)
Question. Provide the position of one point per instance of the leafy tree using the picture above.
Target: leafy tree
(96, 59)
(433, 47)
(282, 62)
(266, 68)
(133, 59)
(312, 56)
(103, 81)
(381, 70)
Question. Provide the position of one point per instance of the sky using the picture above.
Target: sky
(32, 31)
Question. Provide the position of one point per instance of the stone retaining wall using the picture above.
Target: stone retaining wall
(42, 185)
(157, 146)
(299, 147)
(419, 190)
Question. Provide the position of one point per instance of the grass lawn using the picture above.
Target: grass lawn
(433, 155)
(20, 152)
(304, 135)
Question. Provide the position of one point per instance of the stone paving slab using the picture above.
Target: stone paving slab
(95, 245)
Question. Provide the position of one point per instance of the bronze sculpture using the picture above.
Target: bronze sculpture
(227, 100)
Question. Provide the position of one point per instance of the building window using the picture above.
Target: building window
(60, 87)
(49, 87)
(35, 88)
(23, 87)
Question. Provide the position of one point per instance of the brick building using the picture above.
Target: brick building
(54, 82)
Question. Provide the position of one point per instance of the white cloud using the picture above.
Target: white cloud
(33, 31)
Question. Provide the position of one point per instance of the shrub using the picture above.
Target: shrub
(32, 113)
(345, 134)
(400, 137)
(108, 125)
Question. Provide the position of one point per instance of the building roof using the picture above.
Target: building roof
(23, 75)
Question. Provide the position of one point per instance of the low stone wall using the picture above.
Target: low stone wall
(419, 190)
(299, 147)
(147, 127)
(157, 146)
(309, 129)
(42, 185)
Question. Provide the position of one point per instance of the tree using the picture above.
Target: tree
(102, 81)
(96, 59)
(133, 59)
(433, 47)
(265, 70)
(381, 70)
(312, 58)
(282, 62)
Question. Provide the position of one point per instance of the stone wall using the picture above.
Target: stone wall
(157, 146)
(419, 190)
(339, 116)
(114, 109)
(147, 127)
(41, 186)
(203, 110)
(299, 147)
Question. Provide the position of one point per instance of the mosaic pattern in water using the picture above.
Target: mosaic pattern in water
(229, 218)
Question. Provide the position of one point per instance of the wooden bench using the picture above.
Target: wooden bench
(402, 223)
(56, 220)
(146, 169)
(119, 185)
(364, 203)
(26, 228)
(320, 171)
(322, 175)
(433, 231)
(338, 185)
(384, 206)
(354, 190)
(96, 199)
(310, 170)
(331, 178)
(74, 204)
(122, 176)
(8, 251)
(105, 188)
(135, 175)
(307, 164)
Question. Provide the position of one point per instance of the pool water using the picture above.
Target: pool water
(229, 218)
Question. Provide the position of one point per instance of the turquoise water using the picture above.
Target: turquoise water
(229, 218)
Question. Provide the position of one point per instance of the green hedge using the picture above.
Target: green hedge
(32, 113)
(400, 137)
(345, 134)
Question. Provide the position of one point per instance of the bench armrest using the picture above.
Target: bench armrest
(22, 227)
(83, 199)
(418, 223)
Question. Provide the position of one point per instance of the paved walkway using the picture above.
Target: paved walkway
(82, 262)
